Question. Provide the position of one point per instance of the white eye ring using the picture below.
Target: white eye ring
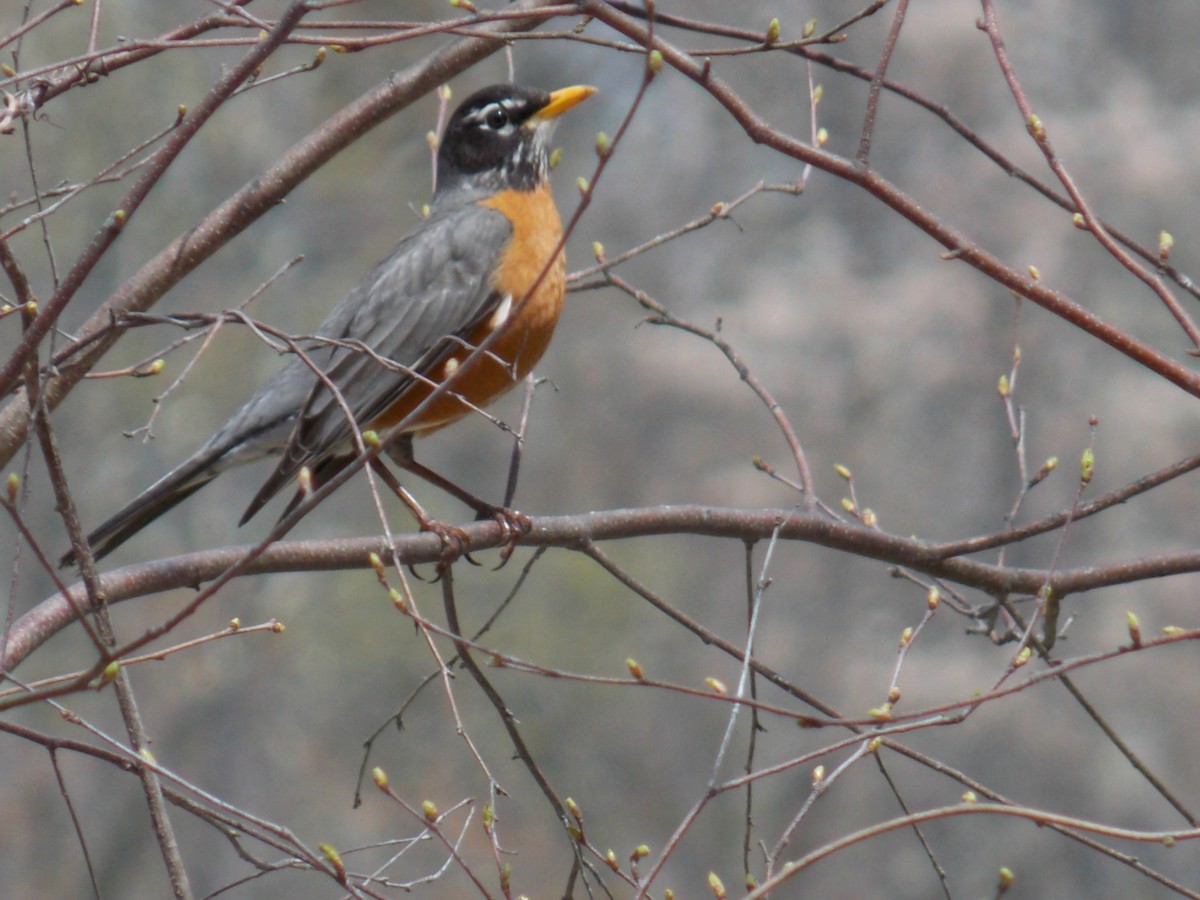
(495, 116)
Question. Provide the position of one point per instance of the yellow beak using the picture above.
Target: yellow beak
(560, 101)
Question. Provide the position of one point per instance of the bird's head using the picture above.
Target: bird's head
(497, 137)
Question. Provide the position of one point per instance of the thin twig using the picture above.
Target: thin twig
(664, 317)
(1037, 131)
(873, 93)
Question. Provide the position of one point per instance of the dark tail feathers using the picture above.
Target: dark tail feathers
(164, 494)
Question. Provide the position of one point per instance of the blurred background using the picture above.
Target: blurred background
(884, 356)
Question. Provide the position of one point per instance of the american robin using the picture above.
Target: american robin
(479, 263)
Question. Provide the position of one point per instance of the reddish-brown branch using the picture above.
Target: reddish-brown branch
(237, 213)
(959, 245)
(32, 337)
(1041, 818)
(939, 110)
(1037, 131)
(868, 130)
(32, 629)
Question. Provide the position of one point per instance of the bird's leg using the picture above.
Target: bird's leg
(513, 524)
(454, 540)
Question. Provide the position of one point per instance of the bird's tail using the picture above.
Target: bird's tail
(174, 487)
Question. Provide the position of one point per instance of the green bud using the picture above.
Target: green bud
(334, 859)
(1087, 465)
(1135, 628)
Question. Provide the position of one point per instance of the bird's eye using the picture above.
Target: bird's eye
(495, 116)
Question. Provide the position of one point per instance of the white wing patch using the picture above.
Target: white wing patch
(500, 316)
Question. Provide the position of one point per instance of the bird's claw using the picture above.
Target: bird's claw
(514, 525)
(456, 544)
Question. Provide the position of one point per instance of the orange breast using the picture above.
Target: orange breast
(524, 332)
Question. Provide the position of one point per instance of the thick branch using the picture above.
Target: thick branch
(192, 569)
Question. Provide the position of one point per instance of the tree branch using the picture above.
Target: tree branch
(260, 195)
(192, 569)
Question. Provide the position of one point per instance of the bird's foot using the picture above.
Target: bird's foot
(456, 543)
(514, 525)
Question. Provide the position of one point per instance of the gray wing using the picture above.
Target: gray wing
(434, 284)
(434, 287)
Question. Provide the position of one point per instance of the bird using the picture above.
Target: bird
(486, 258)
